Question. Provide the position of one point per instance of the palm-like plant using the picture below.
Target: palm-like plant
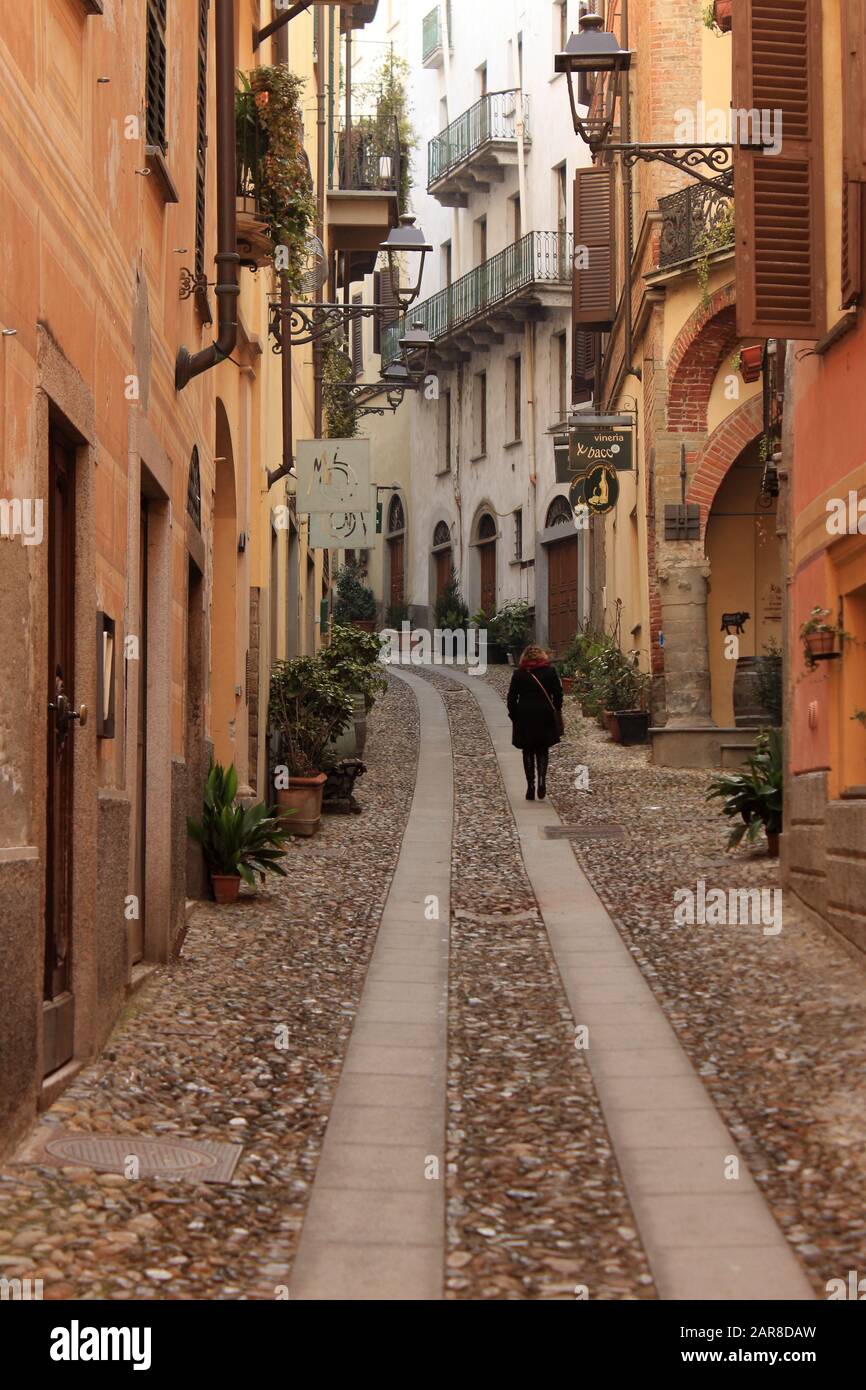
(236, 841)
(755, 795)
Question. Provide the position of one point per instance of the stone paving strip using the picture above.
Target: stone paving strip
(375, 1227)
(536, 1204)
(705, 1237)
(195, 1058)
(775, 1025)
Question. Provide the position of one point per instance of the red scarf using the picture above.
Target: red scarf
(533, 665)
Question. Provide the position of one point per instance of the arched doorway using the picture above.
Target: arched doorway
(563, 575)
(396, 543)
(225, 586)
(443, 557)
(745, 574)
(486, 546)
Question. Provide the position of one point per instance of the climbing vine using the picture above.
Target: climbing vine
(341, 417)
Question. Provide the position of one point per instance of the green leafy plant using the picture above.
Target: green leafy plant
(711, 239)
(237, 841)
(755, 795)
(269, 124)
(398, 613)
(480, 619)
(355, 600)
(816, 625)
(391, 129)
(615, 682)
(512, 624)
(353, 658)
(449, 611)
(341, 417)
(309, 706)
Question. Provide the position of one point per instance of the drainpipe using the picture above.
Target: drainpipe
(528, 327)
(321, 125)
(227, 259)
(625, 107)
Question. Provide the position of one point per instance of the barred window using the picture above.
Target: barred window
(156, 73)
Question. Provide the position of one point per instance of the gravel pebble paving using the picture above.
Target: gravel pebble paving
(195, 1056)
(775, 1025)
(536, 1205)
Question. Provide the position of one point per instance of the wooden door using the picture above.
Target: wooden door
(398, 584)
(487, 554)
(443, 570)
(562, 586)
(59, 1001)
(135, 928)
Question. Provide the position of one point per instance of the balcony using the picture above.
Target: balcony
(256, 217)
(526, 280)
(474, 151)
(366, 180)
(695, 222)
(433, 47)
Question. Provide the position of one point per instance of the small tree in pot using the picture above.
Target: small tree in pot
(309, 706)
(353, 659)
(511, 627)
(355, 604)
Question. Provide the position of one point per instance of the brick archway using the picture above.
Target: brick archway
(695, 358)
(736, 432)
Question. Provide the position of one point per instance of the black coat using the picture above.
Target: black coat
(532, 721)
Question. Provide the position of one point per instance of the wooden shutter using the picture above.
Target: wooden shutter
(779, 199)
(852, 241)
(854, 87)
(155, 80)
(358, 340)
(583, 359)
(594, 288)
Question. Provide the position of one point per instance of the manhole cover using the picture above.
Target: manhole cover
(193, 1160)
(598, 831)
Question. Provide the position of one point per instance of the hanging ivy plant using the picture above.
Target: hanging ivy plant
(391, 127)
(341, 417)
(713, 238)
(272, 159)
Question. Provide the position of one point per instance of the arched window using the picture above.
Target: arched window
(193, 488)
(560, 513)
(442, 535)
(396, 515)
(487, 528)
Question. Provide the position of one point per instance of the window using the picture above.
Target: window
(516, 218)
(155, 81)
(482, 80)
(479, 401)
(446, 263)
(358, 340)
(480, 240)
(560, 17)
(516, 387)
(518, 534)
(445, 433)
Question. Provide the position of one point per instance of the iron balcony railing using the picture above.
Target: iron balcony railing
(696, 221)
(538, 258)
(432, 31)
(494, 117)
(369, 159)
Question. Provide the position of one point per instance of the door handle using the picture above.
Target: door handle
(65, 714)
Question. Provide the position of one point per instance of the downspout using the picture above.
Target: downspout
(457, 249)
(320, 230)
(628, 239)
(529, 326)
(227, 259)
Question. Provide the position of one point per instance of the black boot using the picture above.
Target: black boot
(541, 758)
(529, 769)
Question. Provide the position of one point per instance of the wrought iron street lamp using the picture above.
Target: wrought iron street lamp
(406, 239)
(596, 52)
(416, 348)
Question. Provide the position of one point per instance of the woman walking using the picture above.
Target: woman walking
(535, 711)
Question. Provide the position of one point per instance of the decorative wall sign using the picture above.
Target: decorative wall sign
(590, 445)
(333, 475)
(598, 489)
(345, 530)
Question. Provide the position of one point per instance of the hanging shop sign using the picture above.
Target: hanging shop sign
(333, 475)
(598, 489)
(586, 446)
(345, 530)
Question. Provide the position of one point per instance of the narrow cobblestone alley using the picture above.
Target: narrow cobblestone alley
(393, 1042)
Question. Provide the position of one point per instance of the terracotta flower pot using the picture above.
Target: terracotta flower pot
(752, 362)
(820, 643)
(364, 624)
(722, 14)
(611, 723)
(226, 887)
(567, 683)
(773, 844)
(303, 797)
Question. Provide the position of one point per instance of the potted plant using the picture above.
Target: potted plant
(619, 693)
(309, 706)
(716, 16)
(449, 611)
(819, 637)
(354, 659)
(355, 603)
(497, 655)
(273, 167)
(237, 841)
(751, 362)
(755, 795)
(511, 626)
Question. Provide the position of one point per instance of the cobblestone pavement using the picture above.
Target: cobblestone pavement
(536, 1204)
(775, 1025)
(195, 1057)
